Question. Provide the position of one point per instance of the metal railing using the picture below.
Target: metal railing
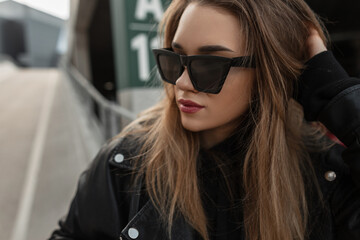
(109, 116)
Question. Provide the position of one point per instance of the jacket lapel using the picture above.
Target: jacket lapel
(146, 224)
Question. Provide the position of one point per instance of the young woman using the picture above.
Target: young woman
(227, 153)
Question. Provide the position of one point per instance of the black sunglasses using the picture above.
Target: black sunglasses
(207, 73)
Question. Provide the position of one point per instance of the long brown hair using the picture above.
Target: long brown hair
(275, 204)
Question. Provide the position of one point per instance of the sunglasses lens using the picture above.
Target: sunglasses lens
(170, 66)
(208, 74)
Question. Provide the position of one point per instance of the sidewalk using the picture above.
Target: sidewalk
(45, 143)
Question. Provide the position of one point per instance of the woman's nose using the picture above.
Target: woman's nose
(184, 83)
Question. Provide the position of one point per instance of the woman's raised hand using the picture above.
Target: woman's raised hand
(314, 43)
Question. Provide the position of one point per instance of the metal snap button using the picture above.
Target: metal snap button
(133, 233)
(330, 176)
(119, 158)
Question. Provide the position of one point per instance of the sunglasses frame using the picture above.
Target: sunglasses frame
(243, 61)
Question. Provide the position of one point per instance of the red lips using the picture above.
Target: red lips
(188, 106)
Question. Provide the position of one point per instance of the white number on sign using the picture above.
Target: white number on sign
(140, 44)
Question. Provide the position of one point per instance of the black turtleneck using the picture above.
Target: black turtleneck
(220, 169)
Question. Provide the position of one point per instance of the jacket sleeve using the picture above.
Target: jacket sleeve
(330, 96)
(93, 213)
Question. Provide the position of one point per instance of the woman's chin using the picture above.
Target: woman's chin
(192, 126)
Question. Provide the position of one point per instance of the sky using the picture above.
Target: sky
(58, 8)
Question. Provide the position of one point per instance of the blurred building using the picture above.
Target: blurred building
(30, 37)
(110, 45)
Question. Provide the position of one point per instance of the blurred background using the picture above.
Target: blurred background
(73, 73)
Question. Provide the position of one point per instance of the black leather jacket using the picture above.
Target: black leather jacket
(108, 206)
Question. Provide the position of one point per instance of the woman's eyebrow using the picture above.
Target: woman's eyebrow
(176, 45)
(204, 49)
(214, 48)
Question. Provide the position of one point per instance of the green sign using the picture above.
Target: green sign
(135, 34)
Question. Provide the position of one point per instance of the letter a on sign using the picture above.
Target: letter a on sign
(143, 7)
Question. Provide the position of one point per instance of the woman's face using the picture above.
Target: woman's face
(199, 28)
